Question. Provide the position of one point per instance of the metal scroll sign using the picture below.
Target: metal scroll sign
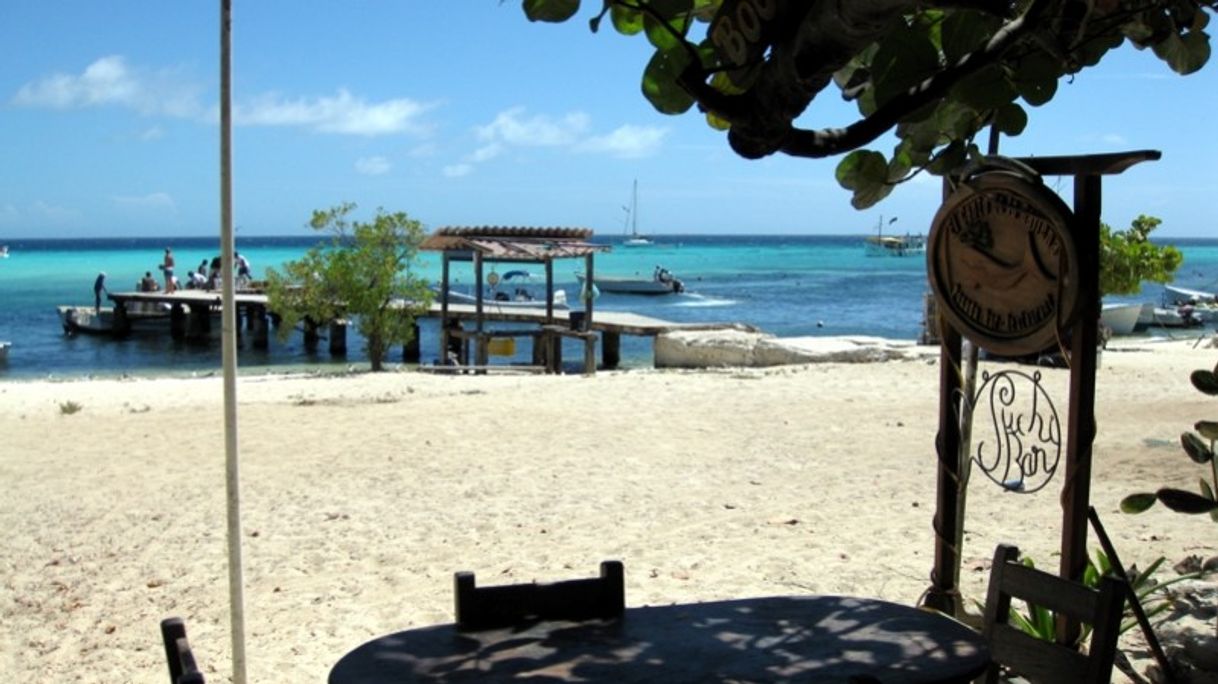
(1022, 445)
(1002, 263)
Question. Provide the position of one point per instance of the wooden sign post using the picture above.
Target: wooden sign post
(1016, 272)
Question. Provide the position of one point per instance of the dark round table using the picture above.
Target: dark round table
(773, 639)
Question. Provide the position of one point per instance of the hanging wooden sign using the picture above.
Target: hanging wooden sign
(1002, 263)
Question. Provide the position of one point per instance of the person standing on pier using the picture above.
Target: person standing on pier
(99, 286)
(243, 269)
(167, 268)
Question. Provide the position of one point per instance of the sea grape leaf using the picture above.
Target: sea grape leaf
(550, 10)
(1206, 381)
(866, 173)
(676, 14)
(660, 82)
(626, 21)
(1035, 78)
(1186, 502)
(1136, 503)
(1184, 54)
(1206, 491)
(962, 32)
(1196, 449)
(1207, 428)
(1010, 119)
(906, 57)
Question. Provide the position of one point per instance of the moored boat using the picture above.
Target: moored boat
(1183, 295)
(89, 321)
(4, 347)
(662, 282)
(1121, 319)
(518, 300)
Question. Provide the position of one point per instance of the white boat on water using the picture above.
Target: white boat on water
(89, 321)
(505, 301)
(893, 245)
(634, 238)
(1183, 295)
(661, 282)
(514, 289)
(1122, 319)
(3, 251)
(4, 347)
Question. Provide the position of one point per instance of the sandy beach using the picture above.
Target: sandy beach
(363, 493)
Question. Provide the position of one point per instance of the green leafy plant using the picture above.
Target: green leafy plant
(365, 270)
(1040, 622)
(934, 75)
(68, 408)
(1128, 258)
(1199, 447)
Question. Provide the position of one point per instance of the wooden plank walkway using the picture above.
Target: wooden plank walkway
(619, 322)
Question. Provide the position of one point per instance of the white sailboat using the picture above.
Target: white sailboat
(634, 238)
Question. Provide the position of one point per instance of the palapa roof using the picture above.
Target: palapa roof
(513, 243)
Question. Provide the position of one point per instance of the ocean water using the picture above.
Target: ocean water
(785, 285)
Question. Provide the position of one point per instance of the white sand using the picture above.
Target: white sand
(363, 494)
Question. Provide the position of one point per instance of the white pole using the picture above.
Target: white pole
(236, 580)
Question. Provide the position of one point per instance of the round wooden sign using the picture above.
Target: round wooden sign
(1002, 263)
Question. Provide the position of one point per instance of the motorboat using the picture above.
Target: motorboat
(3, 251)
(91, 321)
(515, 289)
(662, 282)
(4, 347)
(501, 299)
(1184, 295)
(1121, 319)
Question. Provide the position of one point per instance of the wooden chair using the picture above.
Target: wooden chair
(505, 605)
(182, 668)
(1046, 662)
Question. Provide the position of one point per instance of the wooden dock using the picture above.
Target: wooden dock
(191, 313)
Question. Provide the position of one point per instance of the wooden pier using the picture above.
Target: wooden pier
(191, 312)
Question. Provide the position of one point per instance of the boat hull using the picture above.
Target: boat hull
(87, 321)
(1121, 319)
(637, 286)
(454, 297)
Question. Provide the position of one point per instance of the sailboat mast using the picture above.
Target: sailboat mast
(634, 210)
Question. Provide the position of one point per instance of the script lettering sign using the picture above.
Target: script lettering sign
(741, 32)
(1002, 263)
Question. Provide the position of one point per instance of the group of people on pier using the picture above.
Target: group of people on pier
(207, 276)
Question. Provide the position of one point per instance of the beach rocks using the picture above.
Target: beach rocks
(725, 348)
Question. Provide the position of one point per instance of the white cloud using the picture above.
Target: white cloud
(48, 212)
(539, 131)
(109, 81)
(486, 152)
(372, 166)
(156, 201)
(512, 128)
(626, 142)
(343, 113)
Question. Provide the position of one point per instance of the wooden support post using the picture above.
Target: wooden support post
(338, 338)
(611, 349)
(1076, 491)
(411, 351)
(944, 593)
(122, 324)
(554, 362)
(590, 354)
(539, 350)
(199, 322)
(481, 349)
(311, 338)
(444, 342)
(549, 292)
(588, 273)
(258, 325)
(177, 321)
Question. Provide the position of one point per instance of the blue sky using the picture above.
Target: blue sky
(464, 113)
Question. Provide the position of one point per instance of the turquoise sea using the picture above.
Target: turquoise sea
(785, 285)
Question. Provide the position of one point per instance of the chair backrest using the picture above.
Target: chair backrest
(1047, 662)
(182, 667)
(501, 606)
